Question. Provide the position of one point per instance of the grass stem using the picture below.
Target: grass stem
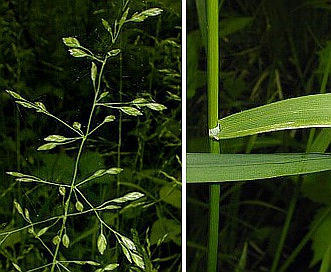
(286, 229)
(212, 71)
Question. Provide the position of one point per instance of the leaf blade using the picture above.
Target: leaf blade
(206, 167)
(300, 112)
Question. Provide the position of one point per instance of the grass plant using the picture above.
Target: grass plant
(74, 215)
(264, 58)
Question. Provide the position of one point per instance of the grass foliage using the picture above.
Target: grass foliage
(270, 51)
(101, 191)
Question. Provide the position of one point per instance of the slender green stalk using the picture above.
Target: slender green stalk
(213, 227)
(213, 70)
(212, 62)
(326, 75)
(119, 145)
(285, 230)
(67, 203)
(74, 177)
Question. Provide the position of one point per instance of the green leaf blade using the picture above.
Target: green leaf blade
(300, 112)
(205, 167)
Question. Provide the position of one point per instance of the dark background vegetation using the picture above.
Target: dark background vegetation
(270, 50)
(35, 63)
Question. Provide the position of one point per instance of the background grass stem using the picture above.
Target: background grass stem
(286, 228)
